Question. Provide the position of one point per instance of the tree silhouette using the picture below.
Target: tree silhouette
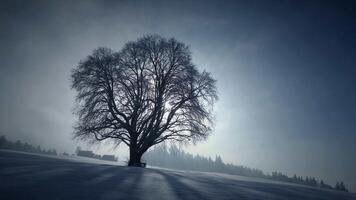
(147, 93)
(341, 186)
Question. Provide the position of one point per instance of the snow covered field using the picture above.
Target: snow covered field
(29, 176)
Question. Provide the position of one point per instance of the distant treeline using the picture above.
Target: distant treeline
(176, 158)
(20, 146)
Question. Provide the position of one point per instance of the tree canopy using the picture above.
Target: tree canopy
(144, 94)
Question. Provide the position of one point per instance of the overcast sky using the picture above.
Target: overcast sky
(286, 73)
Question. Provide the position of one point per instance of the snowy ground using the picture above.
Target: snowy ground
(28, 176)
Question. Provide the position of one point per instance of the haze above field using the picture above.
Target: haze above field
(285, 71)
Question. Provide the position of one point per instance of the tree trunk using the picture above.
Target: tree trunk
(135, 157)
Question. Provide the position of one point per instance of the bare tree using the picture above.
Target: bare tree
(144, 94)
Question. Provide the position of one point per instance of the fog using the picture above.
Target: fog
(285, 72)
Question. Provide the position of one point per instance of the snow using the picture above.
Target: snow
(30, 176)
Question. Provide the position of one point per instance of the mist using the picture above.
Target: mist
(285, 74)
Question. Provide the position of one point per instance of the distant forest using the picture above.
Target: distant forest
(176, 158)
(20, 146)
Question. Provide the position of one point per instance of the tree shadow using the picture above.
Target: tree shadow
(92, 182)
(180, 189)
